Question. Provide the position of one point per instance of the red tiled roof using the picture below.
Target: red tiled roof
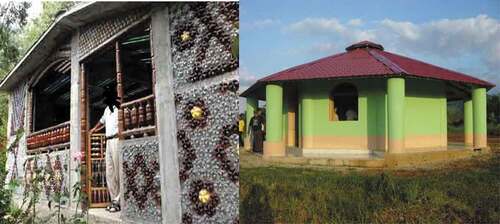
(369, 59)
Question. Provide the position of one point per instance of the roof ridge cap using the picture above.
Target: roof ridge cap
(387, 62)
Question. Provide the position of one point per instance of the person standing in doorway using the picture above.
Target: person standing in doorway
(109, 121)
(256, 126)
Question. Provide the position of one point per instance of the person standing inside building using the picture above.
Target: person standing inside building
(256, 125)
(241, 129)
(109, 121)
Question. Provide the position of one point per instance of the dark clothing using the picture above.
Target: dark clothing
(240, 138)
(256, 127)
(258, 141)
(256, 123)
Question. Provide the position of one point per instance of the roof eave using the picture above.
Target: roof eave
(60, 22)
(67, 22)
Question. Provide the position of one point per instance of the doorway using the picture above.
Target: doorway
(292, 115)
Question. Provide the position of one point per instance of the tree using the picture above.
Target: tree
(36, 27)
(13, 17)
(493, 108)
(17, 35)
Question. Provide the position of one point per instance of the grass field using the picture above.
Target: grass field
(460, 192)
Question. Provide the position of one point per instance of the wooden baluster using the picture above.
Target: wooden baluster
(133, 116)
(48, 135)
(119, 88)
(40, 140)
(66, 134)
(126, 115)
(58, 135)
(45, 139)
(149, 113)
(141, 115)
(62, 134)
(52, 137)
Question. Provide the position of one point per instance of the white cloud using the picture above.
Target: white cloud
(405, 30)
(35, 9)
(323, 47)
(317, 49)
(329, 26)
(355, 22)
(445, 38)
(247, 78)
(259, 24)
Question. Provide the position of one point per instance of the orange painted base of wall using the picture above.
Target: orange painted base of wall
(469, 139)
(397, 160)
(377, 143)
(248, 145)
(480, 141)
(274, 149)
(340, 142)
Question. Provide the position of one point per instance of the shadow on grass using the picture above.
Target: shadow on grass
(255, 206)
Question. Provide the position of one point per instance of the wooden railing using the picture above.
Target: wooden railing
(52, 138)
(139, 118)
(96, 171)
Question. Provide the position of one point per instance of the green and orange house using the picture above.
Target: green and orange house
(366, 100)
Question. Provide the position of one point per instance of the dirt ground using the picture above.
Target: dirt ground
(253, 160)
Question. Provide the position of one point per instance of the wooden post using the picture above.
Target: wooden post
(119, 88)
(153, 78)
(171, 210)
(84, 127)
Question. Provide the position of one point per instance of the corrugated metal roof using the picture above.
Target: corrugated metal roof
(368, 59)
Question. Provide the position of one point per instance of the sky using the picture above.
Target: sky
(460, 35)
(35, 9)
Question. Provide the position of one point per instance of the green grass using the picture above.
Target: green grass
(295, 195)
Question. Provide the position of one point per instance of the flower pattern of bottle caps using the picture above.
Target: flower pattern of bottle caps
(206, 203)
(187, 218)
(209, 38)
(232, 86)
(206, 101)
(141, 185)
(196, 113)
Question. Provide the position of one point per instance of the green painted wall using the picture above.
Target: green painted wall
(314, 105)
(425, 107)
(250, 108)
(299, 117)
(396, 108)
(468, 117)
(274, 113)
(479, 110)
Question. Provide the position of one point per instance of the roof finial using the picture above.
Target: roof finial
(365, 44)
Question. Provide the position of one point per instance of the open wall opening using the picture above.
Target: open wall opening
(455, 122)
(50, 109)
(457, 96)
(125, 65)
(135, 59)
(51, 97)
(343, 102)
